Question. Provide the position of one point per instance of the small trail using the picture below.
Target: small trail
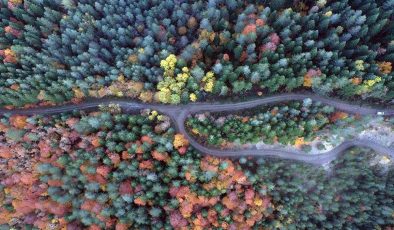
(179, 113)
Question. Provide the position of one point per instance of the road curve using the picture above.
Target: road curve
(179, 113)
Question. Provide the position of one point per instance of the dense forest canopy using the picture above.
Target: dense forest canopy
(133, 171)
(127, 166)
(181, 51)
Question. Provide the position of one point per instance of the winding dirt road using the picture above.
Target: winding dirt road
(179, 113)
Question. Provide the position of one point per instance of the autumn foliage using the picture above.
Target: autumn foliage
(36, 191)
(236, 201)
(338, 116)
(180, 143)
(18, 121)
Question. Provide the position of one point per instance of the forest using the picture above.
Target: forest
(52, 51)
(106, 108)
(291, 123)
(114, 170)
